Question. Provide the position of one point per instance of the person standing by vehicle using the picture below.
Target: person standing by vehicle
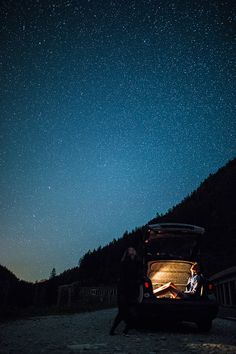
(128, 289)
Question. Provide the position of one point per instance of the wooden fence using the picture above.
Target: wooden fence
(74, 294)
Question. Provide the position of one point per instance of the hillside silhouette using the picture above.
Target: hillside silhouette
(211, 205)
(14, 293)
(7, 275)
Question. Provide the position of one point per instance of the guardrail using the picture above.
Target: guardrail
(225, 283)
(74, 294)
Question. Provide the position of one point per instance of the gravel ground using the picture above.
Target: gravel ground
(88, 333)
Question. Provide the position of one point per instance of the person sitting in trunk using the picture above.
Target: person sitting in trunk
(193, 287)
(195, 281)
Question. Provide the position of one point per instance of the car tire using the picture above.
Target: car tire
(204, 325)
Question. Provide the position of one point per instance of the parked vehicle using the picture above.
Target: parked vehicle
(169, 252)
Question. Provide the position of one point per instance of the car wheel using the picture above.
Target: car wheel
(204, 325)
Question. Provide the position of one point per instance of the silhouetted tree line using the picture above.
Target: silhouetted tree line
(211, 205)
(101, 266)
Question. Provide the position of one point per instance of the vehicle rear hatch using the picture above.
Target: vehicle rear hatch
(171, 249)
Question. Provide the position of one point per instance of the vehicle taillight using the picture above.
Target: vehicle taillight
(146, 285)
(210, 287)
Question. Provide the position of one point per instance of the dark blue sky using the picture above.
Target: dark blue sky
(111, 111)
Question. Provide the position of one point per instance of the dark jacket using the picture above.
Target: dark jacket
(130, 279)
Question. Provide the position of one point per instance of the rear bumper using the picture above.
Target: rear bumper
(179, 310)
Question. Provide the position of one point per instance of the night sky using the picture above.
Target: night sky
(111, 111)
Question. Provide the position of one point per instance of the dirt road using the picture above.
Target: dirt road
(88, 333)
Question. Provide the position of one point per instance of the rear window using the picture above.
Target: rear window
(172, 248)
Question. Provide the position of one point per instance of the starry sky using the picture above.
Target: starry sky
(111, 111)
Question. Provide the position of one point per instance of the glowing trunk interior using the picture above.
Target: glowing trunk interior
(161, 272)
